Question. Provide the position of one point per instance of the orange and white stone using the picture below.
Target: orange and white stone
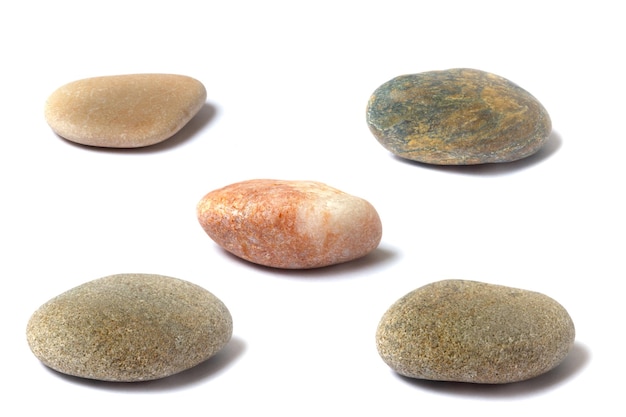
(290, 224)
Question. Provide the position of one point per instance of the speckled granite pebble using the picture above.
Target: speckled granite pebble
(129, 327)
(124, 111)
(457, 117)
(290, 224)
(469, 331)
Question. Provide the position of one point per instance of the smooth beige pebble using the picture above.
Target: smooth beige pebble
(124, 111)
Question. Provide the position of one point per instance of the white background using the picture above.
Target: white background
(287, 86)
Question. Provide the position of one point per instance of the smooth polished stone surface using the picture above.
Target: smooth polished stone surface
(124, 111)
(129, 327)
(468, 331)
(457, 117)
(290, 224)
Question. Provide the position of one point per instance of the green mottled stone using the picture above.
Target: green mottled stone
(129, 327)
(468, 331)
(457, 117)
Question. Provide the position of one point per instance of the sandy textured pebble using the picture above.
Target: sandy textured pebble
(290, 224)
(469, 331)
(129, 327)
(124, 111)
(457, 117)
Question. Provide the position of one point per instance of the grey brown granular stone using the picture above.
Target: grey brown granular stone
(129, 327)
(290, 224)
(467, 331)
(457, 117)
(124, 111)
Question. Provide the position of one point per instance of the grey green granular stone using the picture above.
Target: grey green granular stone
(468, 331)
(129, 327)
(458, 116)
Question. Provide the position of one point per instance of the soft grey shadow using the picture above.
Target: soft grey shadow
(198, 122)
(552, 145)
(376, 258)
(577, 359)
(201, 373)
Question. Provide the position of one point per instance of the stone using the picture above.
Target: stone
(457, 117)
(124, 111)
(468, 331)
(290, 224)
(129, 327)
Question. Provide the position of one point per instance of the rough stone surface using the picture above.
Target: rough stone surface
(469, 331)
(124, 111)
(457, 117)
(290, 224)
(129, 327)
